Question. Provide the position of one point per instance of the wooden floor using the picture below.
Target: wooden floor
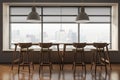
(67, 74)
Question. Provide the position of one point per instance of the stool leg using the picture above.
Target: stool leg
(108, 57)
(12, 66)
(95, 69)
(63, 54)
(19, 63)
(74, 69)
(29, 68)
(28, 61)
(62, 65)
(18, 69)
(39, 69)
(74, 64)
(106, 69)
(32, 61)
(93, 60)
(59, 59)
(85, 69)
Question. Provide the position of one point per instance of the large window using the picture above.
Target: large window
(58, 25)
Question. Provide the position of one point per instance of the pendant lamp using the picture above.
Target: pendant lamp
(82, 16)
(33, 15)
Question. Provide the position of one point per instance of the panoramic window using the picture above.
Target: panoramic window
(58, 25)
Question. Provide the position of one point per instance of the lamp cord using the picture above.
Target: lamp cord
(33, 2)
(61, 18)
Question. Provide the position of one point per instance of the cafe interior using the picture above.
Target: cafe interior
(59, 40)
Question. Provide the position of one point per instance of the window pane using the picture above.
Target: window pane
(20, 10)
(23, 10)
(99, 18)
(69, 11)
(95, 33)
(51, 11)
(97, 10)
(18, 19)
(25, 33)
(59, 19)
(60, 11)
(57, 33)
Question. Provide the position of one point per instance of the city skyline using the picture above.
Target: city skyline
(56, 34)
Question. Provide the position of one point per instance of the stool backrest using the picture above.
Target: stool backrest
(25, 45)
(99, 45)
(79, 45)
(45, 45)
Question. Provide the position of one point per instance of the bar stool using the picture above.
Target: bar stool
(79, 53)
(26, 58)
(15, 57)
(100, 55)
(59, 55)
(108, 57)
(45, 56)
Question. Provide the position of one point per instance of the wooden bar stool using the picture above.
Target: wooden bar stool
(100, 55)
(108, 57)
(45, 56)
(15, 57)
(59, 56)
(25, 56)
(79, 56)
(64, 53)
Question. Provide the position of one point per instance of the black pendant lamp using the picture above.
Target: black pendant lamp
(33, 15)
(82, 16)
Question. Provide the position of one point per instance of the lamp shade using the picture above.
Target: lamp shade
(82, 16)
(33, 16)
